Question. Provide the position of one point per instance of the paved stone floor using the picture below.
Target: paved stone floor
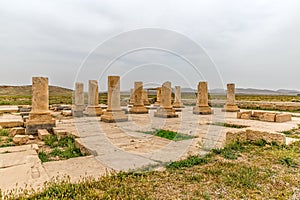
(123, 145)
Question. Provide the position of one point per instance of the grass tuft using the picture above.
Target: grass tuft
(170, 135)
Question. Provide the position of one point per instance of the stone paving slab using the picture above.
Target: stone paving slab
(8, 109)
(76, 168)
(10, 121)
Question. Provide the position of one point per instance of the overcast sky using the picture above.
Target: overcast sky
(253, 43)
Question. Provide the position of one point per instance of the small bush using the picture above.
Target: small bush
(4, 132)
(189, 162)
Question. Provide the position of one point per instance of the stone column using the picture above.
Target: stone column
(145, 98)
(131, 101)
(202, 106)
(230, 105)
(113, 113)
(158, 95)
(138, 106)
(177, 102)
(39, 117)
(166, 109)
(78, 106)
(93, 108)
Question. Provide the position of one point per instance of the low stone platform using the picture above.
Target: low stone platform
(10, 121)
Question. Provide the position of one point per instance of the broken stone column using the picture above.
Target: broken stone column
(202, 106)
(131, 101)
(230, 105)
(93, 108)
(39, 117)
(158, 95)
(138, 106)
(177, 102)
(145, 98)
(166, 109)
(113, 113)
(78, 106)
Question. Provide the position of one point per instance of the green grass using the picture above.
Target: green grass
(229, 125)
(60, 149)
(261, 171)
(170, 135)
(293, 133)
(4, 132)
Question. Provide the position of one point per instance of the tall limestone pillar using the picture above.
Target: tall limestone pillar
(93, 108)
(202, 106)
(230, 105)
(114, 113)
(145, 98)
(78, 106)
(166, 109)
(158, 95)
(131, 100)
(177, 103)
(39, 117)
(138, 106)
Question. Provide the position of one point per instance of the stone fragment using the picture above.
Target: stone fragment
(93, 108)
(17, 131)
(145, 98)
(177, 102)
(138, 106)
(66, 113)
(20, 139)
(43, 133)
(268, 117)
(78, 106)
(60, 133)
(158, 96)
(283, 117)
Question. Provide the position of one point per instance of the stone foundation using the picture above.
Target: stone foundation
(165, 113)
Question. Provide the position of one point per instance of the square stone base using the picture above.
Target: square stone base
(114, 116)
(77, 113)
(165, 113)
(231, 108)
(202, 110)
(39, 121)
(138, 110)
(93, 111)
(178, 105)
(156, 104)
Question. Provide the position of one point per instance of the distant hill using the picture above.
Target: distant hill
(252, 91)
(26, 91)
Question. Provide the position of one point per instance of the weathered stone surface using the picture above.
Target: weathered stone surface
(93, 108)
(131, 101)
(237, 135)
(158, 96)
(20, 139)
(43, 133)
(202, 106)
(138, 106)
(10, 123)
(145, 98)
(244, 115)
(255, 135)
(257, 114)
(114, 113)
(231, 105)
(17, 131)
(282, 117)
(268, 117)
(83, 149)
(39, 117)
(166, 110)
(60, 133)
(177, 102)
(78, 106)
(66, 113)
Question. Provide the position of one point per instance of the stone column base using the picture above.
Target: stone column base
(77, 110)
(178, 105)
(147, 103)
(231, 108)
(202, 110)
(156, 104)
(114, 116)
(93, 111)
(165, 113)
(138, 110)
(39, 121)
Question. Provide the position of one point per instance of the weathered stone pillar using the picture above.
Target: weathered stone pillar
(39, 117)
(177, 102)
(166, 109)
(78, 106)
(202, 106)
(93, 108)
(145, 98)
(113, 113)
(138, 106)
(230, 105)
(158, 95)
(131, 101)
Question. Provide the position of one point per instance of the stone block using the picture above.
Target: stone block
(20, 139)
(231, 108)
(114, 116)
(244, 115)
(256, 135)
(43, 133)
(11, 123)
(83, 149)
(283, 117)
(66, 113)
(165, 113)
(17, 131)
(202, 110)
(268, 117)
(60, 133)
